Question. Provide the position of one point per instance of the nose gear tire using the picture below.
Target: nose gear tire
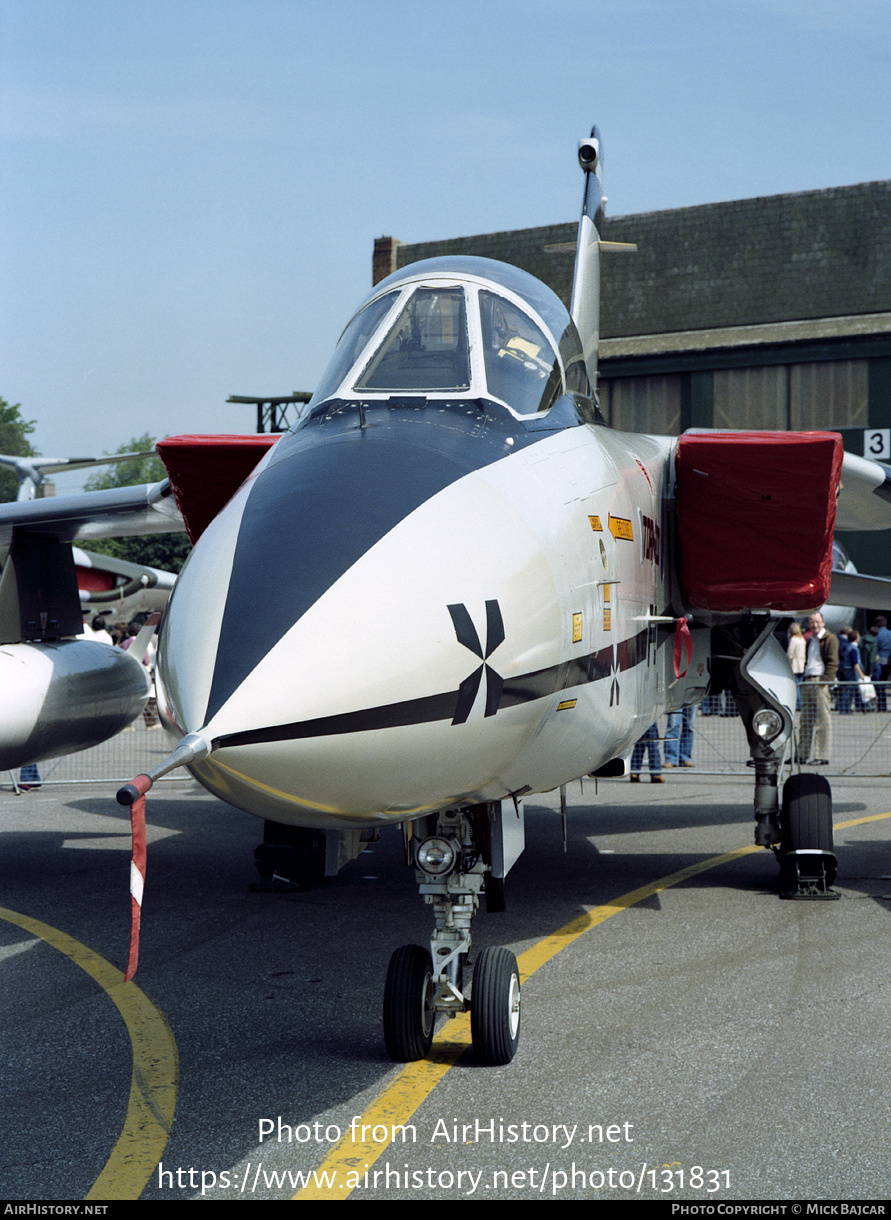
(495, 1006)
(408, 1004)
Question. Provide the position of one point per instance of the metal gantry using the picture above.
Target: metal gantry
(272, 413)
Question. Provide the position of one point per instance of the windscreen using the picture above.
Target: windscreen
(427, 348)
(351, 343)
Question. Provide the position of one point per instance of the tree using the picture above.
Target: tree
(14, 433)
(128, 474)
(167, 551)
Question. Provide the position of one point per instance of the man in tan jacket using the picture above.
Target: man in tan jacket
(820, 669)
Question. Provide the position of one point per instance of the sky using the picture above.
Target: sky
(191, 188)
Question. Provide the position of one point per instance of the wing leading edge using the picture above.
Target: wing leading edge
(148, 508)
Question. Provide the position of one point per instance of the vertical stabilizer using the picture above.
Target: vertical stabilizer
(585, 304)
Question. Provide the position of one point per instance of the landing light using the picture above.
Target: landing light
(767, 723)
(436, 856)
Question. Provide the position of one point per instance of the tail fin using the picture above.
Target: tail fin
(585, 304)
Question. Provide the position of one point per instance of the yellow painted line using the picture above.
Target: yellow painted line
(533, 959)
(414, 1084)
(348, 1160)
(873, 817)
(153, 1085)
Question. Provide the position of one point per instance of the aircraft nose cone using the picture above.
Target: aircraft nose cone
(310, 517)
(285, 538)
(377, 598)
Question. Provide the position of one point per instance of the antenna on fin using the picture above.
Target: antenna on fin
(585, 303)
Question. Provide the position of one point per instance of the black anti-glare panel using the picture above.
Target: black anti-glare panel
(335, 488)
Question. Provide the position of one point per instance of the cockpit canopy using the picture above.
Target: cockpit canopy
(460, 326)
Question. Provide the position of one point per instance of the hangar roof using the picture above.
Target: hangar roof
(750, 263)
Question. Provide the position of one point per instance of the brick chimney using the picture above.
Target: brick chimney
(383, 262)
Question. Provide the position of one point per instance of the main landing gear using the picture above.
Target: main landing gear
(289, 858)
(298, 857)
(798, 829)
(807, 859)
(451, 870)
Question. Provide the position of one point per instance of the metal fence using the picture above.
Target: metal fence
(860, 744)
(131, 752)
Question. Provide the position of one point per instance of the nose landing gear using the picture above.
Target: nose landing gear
(451, 873)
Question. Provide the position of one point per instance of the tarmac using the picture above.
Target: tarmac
(686, 1035)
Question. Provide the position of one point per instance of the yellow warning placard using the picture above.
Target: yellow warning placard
(595, 523)
(620, 527)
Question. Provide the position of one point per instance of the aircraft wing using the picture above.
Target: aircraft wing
(864, 500)
(864, 503)
(118, 513)
(31, 471)
(855, 589)
(48, 465)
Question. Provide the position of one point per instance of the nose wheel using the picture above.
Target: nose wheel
(495, 1006)
(408, 1004)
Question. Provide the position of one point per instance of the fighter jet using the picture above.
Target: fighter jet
(61, 694)
(450, 586)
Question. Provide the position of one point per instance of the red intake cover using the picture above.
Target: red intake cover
(93, 580)
(206, 471)
(756, 512)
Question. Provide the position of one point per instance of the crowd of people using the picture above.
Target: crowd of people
(841, 673)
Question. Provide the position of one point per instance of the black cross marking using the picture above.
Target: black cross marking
(467, 635)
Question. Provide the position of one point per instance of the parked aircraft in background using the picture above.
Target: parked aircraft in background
(61, 694)
(838, 617)
(32, 471)
(105, 583)
(119, 588)
(451, 586)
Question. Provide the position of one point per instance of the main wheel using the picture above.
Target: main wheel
(806, 819)
(495, 1006)
(290, 857)
(408, 1004)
